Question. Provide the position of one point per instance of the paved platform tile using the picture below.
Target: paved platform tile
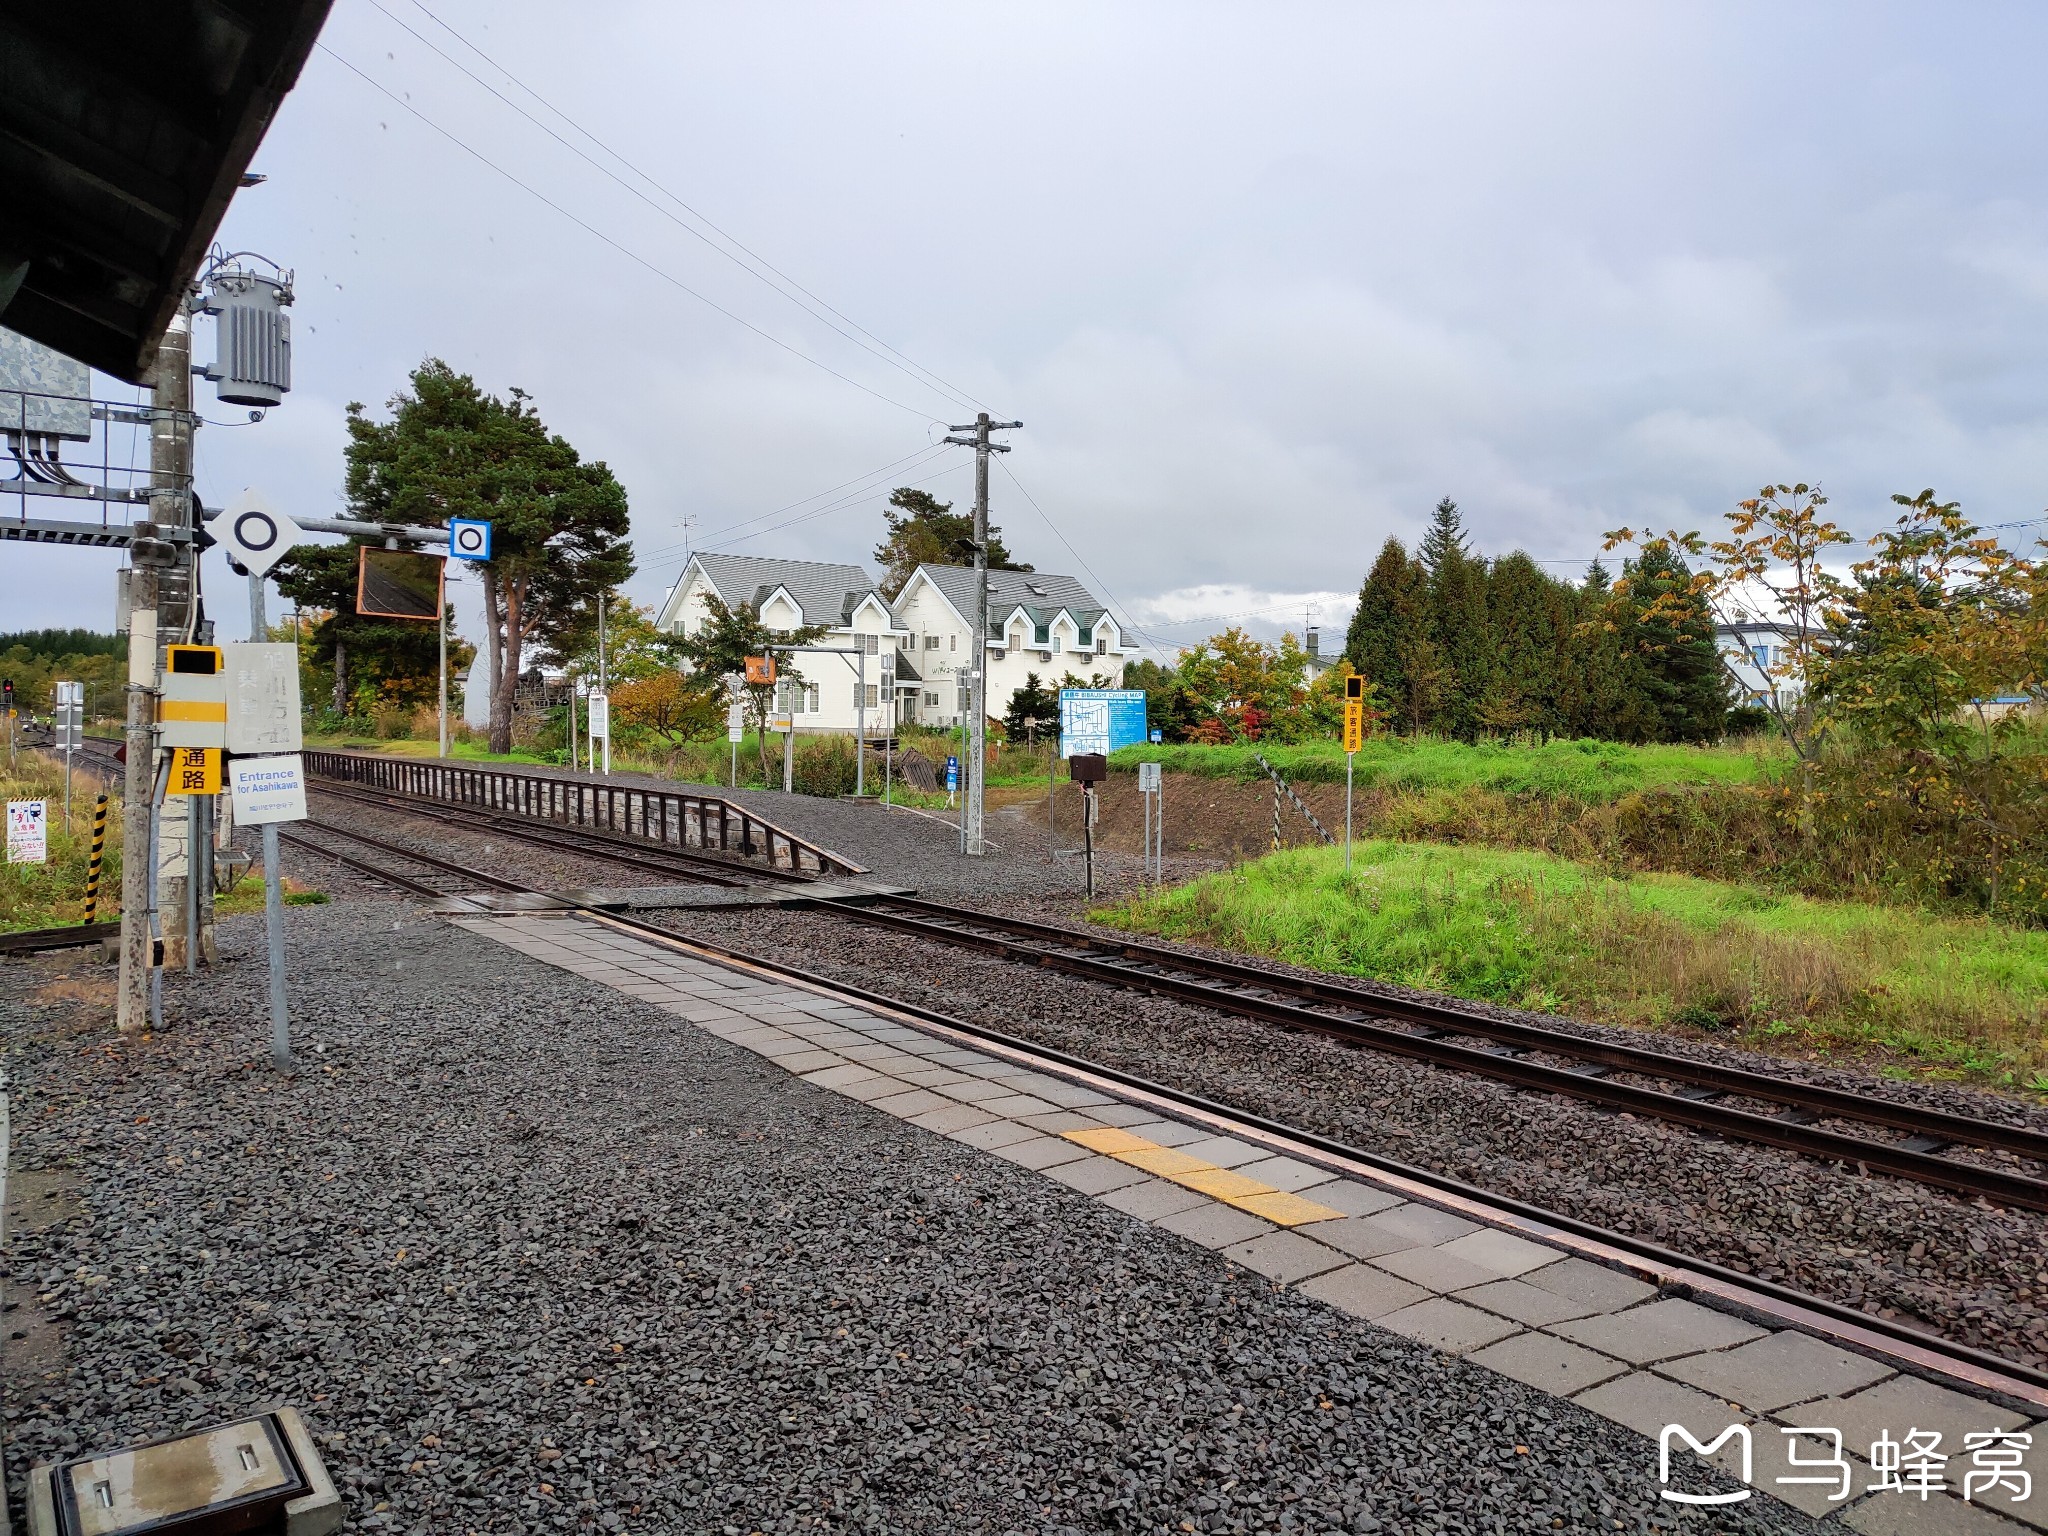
(1040, 1151)
(1435, 1268)
(1448, 1325)
(1286, 1173)
(1776, 1370)
(1646, 1403)
(1659, 1330)
(948, 1118)
(1215, 1226)
(1523, 1302)
(1151, 1199)
(993, 1134)
(914, 1101)
(1903, 1403)
(1592, 1286)
(1503, 1253)
(1285, 1256)
(1095, 1175)
(1553, 1365)
(1363, 1291)
(1278, 1206)
(1893, 1514)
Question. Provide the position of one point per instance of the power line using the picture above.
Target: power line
(1101, 585)
(591, 229)
(907, 366)
(922, 453)
(839, 506)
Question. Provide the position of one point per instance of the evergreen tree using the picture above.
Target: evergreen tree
(926, 531)
(1675, 688)
(1529, 622)
(1033, 708)
(1383, 626)
(1457, 623)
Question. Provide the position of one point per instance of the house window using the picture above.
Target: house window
(932, 699)
(1102, 645)
(1056, 642)
(1761, 654)
(870, 695)
(870, 644)
(931, 642)
(952, 642)
(1038, 634)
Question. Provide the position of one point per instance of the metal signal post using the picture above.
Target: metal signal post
(977, 722)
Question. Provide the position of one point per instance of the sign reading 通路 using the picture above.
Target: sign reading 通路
(194, 771)
(269, 789)
(28, 831)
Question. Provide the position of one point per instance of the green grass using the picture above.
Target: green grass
(1949, 996)
(465, 751)
(52, 895)
(1595, 772)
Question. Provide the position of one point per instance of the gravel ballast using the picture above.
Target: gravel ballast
(1968, 1271)
(532, 1256)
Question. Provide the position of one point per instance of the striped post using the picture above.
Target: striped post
(1276, 815)
(99, 847)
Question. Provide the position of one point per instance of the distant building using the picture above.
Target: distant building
(1317, 663)
(1756, 651)
(794, 594)
(1037, 622)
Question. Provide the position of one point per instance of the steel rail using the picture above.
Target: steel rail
(1834, 1102)
(416, 887)
(710, 868)
(29, 941)
(1253, 992)
(1784, 1133)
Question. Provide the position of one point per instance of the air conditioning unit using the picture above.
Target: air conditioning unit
(1045, 655)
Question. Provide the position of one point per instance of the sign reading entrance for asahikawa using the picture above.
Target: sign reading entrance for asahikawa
(269, 789)
(28, 831)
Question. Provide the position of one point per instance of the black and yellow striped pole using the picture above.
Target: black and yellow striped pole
(99, 847)
(1276, 815)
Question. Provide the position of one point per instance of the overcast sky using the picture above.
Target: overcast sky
(1262, 281)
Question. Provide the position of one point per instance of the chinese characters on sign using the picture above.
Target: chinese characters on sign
(28, 831)
(1911, 1464)
(262, 697)
(194, 771)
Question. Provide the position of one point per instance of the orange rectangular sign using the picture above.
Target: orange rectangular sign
(760, 671)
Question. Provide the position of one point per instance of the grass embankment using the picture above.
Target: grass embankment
(464, 751)
(52, 895)
(1945, 996)
(1592, 772)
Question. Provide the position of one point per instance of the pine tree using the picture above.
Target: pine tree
(1457, 623)
(1529, 621)
(1389, 609)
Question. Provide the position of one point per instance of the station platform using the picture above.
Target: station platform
(1530, 1310)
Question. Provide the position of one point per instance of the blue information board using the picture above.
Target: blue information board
(952, 774)
(1101, 719)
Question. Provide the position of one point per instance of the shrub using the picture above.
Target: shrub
(824, 765)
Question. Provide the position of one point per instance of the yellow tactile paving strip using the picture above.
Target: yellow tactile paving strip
(1247, 1194)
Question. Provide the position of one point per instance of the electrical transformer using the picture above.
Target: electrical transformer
(252, 362)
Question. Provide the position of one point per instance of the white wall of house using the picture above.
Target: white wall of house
(937, 642)
(828, 699)
(1753, 650)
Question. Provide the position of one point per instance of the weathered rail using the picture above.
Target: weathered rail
(665, 817)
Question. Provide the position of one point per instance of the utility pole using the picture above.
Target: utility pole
(149, 556)
(977, 723)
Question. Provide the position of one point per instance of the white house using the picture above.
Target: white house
(857, 652)
(1755, 651)
(1051, 625)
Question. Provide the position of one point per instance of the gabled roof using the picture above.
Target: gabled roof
(826, 593)
(1040, 594)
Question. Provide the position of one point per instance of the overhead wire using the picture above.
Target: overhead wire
(889, 468)
(840, 506)
(623, 250)
(1101, 585)
(761, 269)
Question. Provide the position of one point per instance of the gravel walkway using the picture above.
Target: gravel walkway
(533, 1257)
(1970, 1272)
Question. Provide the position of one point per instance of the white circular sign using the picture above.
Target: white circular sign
(469, 540)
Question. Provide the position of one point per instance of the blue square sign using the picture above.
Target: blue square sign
(469, 538)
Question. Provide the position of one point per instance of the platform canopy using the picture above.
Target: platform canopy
(125, 127)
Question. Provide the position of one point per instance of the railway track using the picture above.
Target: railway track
(2001, 1163)
(1682, 1273)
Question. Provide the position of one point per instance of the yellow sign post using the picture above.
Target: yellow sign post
(1354, 738)
(194, 771)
